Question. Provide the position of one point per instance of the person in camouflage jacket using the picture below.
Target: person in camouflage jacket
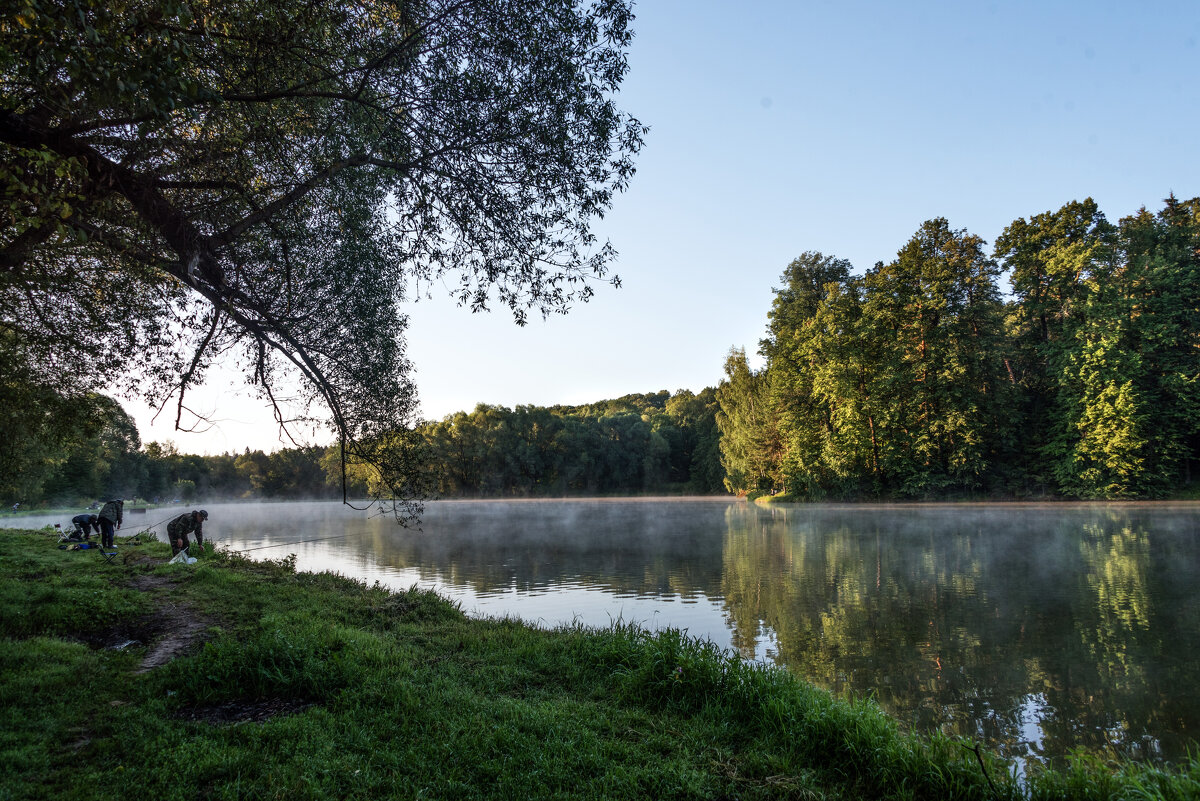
(111, 516)
(179, 528)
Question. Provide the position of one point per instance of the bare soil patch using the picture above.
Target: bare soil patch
(139, 558)
(181, 629)
(172, 630)
(125, 634)
(150, 581)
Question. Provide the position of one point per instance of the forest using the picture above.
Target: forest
(923, 378)
(638, 444)
(655, 443)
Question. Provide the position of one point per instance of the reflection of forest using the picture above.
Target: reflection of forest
(648, 549)
(1059, 627)
(988, 623)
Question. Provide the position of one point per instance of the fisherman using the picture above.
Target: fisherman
(110, 516)
(179, 528)
(84, 524)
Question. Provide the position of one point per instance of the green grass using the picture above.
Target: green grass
(379, 694)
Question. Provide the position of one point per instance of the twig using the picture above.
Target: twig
(983, 768)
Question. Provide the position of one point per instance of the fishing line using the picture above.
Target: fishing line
(283, 544)
(147, 529)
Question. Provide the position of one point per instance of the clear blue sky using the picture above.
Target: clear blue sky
(781, 127)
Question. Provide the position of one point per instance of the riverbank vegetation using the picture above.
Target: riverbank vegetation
(919, 379)
(232, 678)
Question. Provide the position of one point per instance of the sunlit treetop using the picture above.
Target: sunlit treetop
(185, 179)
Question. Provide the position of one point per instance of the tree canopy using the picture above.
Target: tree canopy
(919, 380)
(271, 180)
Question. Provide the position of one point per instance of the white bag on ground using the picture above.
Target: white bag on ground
(182, 558)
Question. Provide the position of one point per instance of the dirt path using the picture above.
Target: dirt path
(171, 630)
(181, 632)
(174, 629)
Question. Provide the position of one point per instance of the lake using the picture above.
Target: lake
(1034, 629)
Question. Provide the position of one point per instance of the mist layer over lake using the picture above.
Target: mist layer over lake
(1033, 629)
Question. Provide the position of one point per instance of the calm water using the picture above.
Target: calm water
(1036, 629)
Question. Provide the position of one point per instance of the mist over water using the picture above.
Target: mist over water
(1033, 629)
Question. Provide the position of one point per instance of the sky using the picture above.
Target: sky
(783, 127)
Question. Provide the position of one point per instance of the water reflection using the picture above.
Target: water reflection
(1036, 632)
(653, 563)
(1033, 629)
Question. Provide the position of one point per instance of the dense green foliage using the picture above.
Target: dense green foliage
(182, 180)
(918, 379)
(61, 439)
(315, 686)
(87, 448)
(652, 443)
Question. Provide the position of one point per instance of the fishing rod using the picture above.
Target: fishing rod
(260, 547)
(147, 529)
(213, 542)
(284, 544)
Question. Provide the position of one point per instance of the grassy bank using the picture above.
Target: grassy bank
(236, 679)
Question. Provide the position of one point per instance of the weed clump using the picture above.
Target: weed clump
(304, 662)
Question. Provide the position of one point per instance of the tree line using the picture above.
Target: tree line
(89, 449)
(921, 378)
(86, 448)
(641, 443)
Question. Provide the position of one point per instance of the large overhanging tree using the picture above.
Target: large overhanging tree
(268, 179)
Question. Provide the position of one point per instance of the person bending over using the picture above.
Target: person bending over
(84, 524)
(179, 528)
(110, 519)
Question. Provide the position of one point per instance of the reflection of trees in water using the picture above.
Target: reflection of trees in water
(986, 621)
(641, 548)
(985, 624)
(1137, 630)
